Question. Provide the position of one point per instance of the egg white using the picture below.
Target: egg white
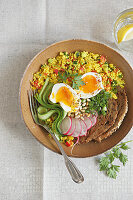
(89, 95)
(55, 89)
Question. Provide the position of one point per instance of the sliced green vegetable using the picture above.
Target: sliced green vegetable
(43, 88)
(40, 96)
(42, 110)
(46, 104)
(46, 115)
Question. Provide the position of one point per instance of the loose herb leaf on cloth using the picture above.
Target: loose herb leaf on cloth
(123, 158)
(112, 171)
(116, 152)
(106, 162)
(124, 146)
(111, 157)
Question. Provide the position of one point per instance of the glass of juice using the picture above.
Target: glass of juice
(123, 30)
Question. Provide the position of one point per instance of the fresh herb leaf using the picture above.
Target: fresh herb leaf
(112, 171)
(77, 82)
(116, 167)
(124, 146)
(123, 158)
(77, 77)
(111, 157)
(99, 103)
(75, 86)
(106, 162)
(62, 77)
(116, 152)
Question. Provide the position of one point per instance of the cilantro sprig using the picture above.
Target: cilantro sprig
(63, 76)
(106, 162)
(77, 81)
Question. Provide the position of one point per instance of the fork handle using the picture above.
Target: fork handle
(73, 170)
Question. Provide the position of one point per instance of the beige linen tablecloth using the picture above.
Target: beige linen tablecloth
(28, 171)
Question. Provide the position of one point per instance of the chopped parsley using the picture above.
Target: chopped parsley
(99, 103)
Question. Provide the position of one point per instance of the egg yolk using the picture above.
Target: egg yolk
(65, 96)
(91, 84)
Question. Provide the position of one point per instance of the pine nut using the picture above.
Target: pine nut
(85, 107)
(88, 114)
(77, 116)
(72, 115)
(88, 99)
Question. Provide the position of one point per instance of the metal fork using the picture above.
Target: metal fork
(73, 170)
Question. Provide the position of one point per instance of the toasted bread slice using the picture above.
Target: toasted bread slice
(122, 103)
(103, 123)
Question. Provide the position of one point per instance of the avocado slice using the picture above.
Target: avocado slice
(46, 104)
(42, 110)
(46, 115)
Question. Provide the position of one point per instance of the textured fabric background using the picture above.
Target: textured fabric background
(28, 171)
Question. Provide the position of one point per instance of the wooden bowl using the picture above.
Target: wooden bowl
(83, 150)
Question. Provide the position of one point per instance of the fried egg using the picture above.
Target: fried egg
(66, 96)
(93, 85)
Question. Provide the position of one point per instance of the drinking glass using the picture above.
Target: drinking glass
(123, 19)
